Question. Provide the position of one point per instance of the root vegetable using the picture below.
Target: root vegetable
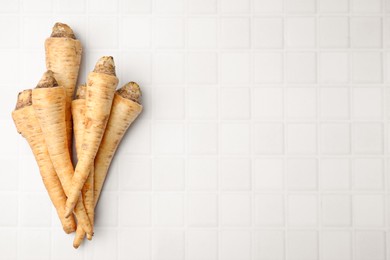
(28, 126)
(100, 92)
(48, 101)
(125, 109)
(63, 56)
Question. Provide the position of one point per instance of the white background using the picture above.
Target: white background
(264, 134)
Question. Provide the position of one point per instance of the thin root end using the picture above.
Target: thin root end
(47, 80)
(24, 99)
(81, 91)
(105, 65)
(61, 30)
(130, 91)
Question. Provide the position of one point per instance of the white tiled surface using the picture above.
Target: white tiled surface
(265, 132)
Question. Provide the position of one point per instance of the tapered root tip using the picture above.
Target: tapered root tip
(24, 99)
(105, 65)
(47, 80)
(130, 91)
(61, 30)
(81, 91)
(89, 236)
(76, 245)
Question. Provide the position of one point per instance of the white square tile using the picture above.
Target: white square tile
(367, 138)
(134, 244)
(103, 31)
(302, 245)
(368, 210)
(8, 247)
(268, 6)
(300, 102)
(334, 67)
(234, 32)
(367, 103)
(105, 245)
(300, 67)
(367, 173)
(235, 244)
(201, 106)
(168, 32)
(11, 181)
(139, 26)
(334, 103)
(235, 173)
(334, 174)
(301, 138)
(34, 243)
(267, 103)
(333, 6)
(234, 6)
(168, 138)
(300, 32)
(366, 67)
(366, 6)
(336, 245)
(138, 65)
(44, 6)
(268, 174)
(9, 201)
(202, 138)
(267, 32)
(369, 245)
(335, 138)
(9, 26)
(168, 209)
(201, 244)
(269, 244)
(302, 210)
(202, 6)
(238, 145)
(102, 6)
(168, 244)
(202, 209)
(268, 67)
(71, 6)
(268, 138)
(31, 65)
(202, 67)
(234, 103)
(333, 31)
(386, 36)
(234, 68)
(137, 139)
(35, 29)
(35, 209)
(301, 6)
(202, 173)
(10, 7)
(168, 103)
(301, 174)
(168, 67)
(168, 6)
(366, 32)
(202, 32)
(269, 210)
(168, 173)
(30, 177)
(134, 209)
(136, 6)
(10, 138)
(235, 209)
(107, 210)
(336, 210)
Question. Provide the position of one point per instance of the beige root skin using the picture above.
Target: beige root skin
(105, 65)
(49, 106)
(100, 92)
(81, 92)
(28, 125)
(61, 30)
